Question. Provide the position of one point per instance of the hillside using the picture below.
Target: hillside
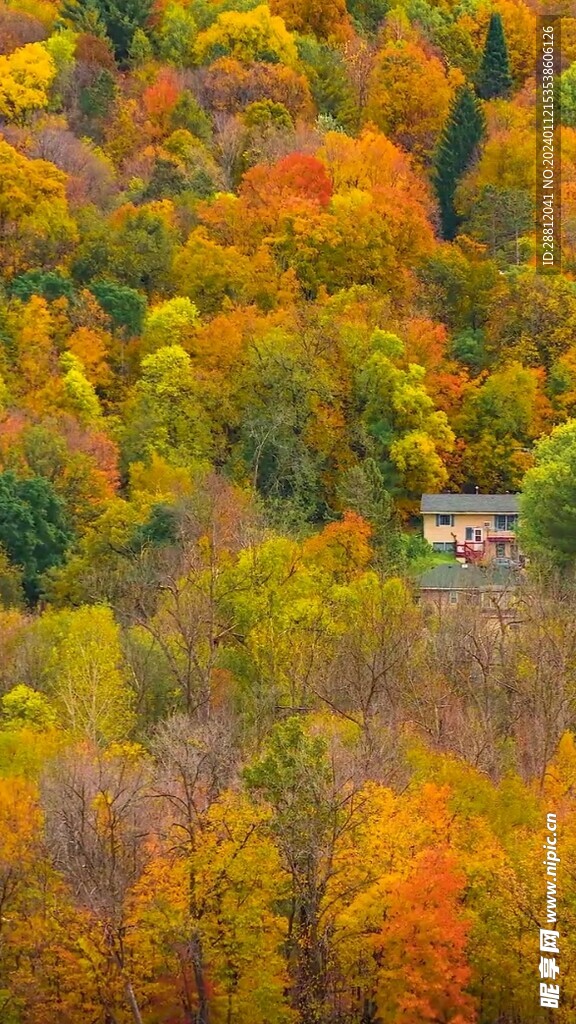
(269, 273)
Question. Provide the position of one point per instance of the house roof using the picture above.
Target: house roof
(453, 576)
(481, 503)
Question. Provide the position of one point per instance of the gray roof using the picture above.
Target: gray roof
(482, 503)
(453, 576)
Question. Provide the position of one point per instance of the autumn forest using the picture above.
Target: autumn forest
(267, 275)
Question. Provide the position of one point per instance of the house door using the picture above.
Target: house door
(478, 536)
(500, 548)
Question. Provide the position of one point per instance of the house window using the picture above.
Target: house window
(453, 597)
(448, 547)
(444, 520)
(474, 534)
(505, 522)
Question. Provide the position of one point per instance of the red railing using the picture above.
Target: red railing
(471, 550)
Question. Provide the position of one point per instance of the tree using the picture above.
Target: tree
(318, 17)
(424, 972)
(22, 705)
(568, 96)
(177, 35)
(296, 777)
(548, 501)
(125, 306)
(173, 322)
(368, 14)
(408, 434)
(34, 527)
(97, 822)
(118, 19)
(458, 145)
(403, 76)
(79, 394)
(165, 412)
(494, 77)
(84, 673)
(35, 224)
(25, 78)
(255, 35)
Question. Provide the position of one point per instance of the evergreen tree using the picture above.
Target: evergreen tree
(34, 528)
(118, 19)
(494, 76)
(460, 139)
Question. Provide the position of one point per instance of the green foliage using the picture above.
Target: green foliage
(34, 527)
(24, 706)
(368, 15)
(567, 96)
(494, 77)
(459, 143)
(291, 776)
(11, 583)
(165, 413)
(119, 19)
(96, 100)
(177, 35)
(125, 306)
(49, 284)
(188, 114)
(548, 502)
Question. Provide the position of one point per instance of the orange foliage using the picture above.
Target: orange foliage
(422, 947)
(229, 86)
(342, 547)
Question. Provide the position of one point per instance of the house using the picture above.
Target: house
(493, 589)
(473, 527)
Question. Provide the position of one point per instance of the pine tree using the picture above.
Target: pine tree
(118, 19)
(461, 136)
(494, 76)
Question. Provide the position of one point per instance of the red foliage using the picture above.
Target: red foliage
(160, 98)
(296, 177)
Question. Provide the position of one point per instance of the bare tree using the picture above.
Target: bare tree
(97, 826)
(195, 762)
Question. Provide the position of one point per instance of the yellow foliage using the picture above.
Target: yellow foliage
(25, 78)
(254, 35)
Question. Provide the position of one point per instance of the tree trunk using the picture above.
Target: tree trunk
(132, 1001)
(197, 959)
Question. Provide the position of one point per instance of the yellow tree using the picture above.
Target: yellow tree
(84, 673)
(34, 218)
(25, 78)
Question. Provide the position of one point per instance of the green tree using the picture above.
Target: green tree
(499, 217)
(548, 502)
(34, 528)
(494, 77)
(24, 706)
(165, 411)
(568, 96)
(177, 36)
(459, 142)
(368, 15)
(119, 19)
(50, 284)
(125, 306)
